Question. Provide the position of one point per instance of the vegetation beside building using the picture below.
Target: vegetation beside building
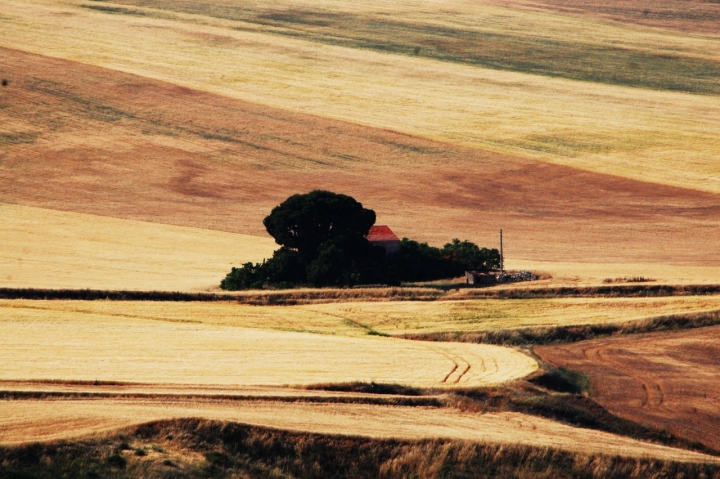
(324, 242)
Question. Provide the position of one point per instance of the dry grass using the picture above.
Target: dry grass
(103, 142)
(467, 316)
(64, 345)
(363, 318)
(473, 36)
(43, 248)
(565, 273)
(690, 17)
(196, 448)
(668, 380)
(25, 421)
(657, 136)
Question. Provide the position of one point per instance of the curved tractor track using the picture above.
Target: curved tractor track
(667, 380)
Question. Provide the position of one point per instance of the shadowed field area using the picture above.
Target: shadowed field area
(668, 380)
(86, 139)
(697, 17)
(193, 448)
(26, 421)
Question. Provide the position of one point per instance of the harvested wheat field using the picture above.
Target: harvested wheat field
(668, 380)
(25, 421)
(642, 104)
(690, 17)
(362, 318)
(227, 145)
(51, 249)
(50, 345)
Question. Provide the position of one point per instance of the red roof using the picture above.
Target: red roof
(381, 233)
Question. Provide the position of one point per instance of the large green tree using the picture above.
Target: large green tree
(322, 239)
(306, 222)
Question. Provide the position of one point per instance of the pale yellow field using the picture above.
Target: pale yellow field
(52, 249)
(38, 344)
(359, 318)
(657, 136)
(25, 421)
(592, 274)
(406, 317)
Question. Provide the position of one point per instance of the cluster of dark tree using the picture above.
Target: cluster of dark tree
(322, 238)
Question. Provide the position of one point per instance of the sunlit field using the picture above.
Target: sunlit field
(66, 419)
(142, 142)
(668, 380)
(38, 344)
(51, 249)
(636, 123)
(368, 318)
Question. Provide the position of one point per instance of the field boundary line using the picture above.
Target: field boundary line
(537, 336)
(396, 400)
(319, 296)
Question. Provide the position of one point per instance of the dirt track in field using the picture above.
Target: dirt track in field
(81, 138)
(25, 421)
(668, 380)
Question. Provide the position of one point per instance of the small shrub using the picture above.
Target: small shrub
(371, 388)
(563, 380)
(124, 446)
(630, 279)
(116, 461)
(169, 463)
(372, 332)
(12, 474)
(217, 459)
(140, 452)
(157, 448)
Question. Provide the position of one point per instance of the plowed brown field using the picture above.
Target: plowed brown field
(25, 421)
(668, 380)
(81, 138)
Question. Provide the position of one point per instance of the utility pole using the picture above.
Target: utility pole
(502, 258)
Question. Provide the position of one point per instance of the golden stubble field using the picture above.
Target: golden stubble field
(91, 140)
(358, 319)
(23, 421)
(599, 162)
(665, 137)
(53, 249)
(39, 344)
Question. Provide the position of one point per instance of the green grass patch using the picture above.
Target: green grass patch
(115, 10)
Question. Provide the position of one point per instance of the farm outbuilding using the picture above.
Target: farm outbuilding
(382, 235)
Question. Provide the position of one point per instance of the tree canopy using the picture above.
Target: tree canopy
(305, 222)
(322, 239)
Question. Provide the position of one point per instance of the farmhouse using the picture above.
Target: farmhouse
(383, 236)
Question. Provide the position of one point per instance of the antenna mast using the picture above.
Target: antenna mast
(502, 257)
